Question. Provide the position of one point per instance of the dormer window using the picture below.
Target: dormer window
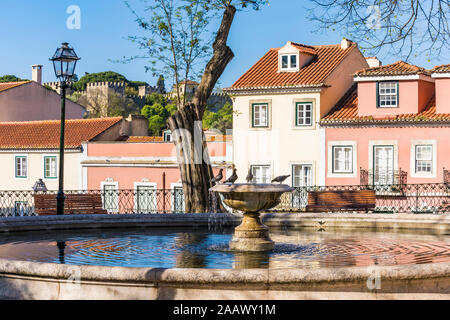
(289, 62)
(387, 94)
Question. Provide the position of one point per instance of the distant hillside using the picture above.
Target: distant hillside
(11, 78)
(106, 76)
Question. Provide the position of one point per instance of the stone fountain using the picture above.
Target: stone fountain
(251, 234)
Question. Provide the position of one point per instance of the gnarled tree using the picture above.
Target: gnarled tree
(178, 29)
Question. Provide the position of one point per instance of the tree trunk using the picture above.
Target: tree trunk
(185, 124)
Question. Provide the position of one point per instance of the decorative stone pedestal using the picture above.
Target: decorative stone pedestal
(251, 234)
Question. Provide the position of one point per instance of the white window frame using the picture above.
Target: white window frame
(297, 111)
(255, 179)
(116, 200)
(290, 66)
(331, 173)
(305, 164)
(154, 196)
(44, 157)
(390, 95)
(413, 172)
(348, 157)
(20, 177)
(259, 105)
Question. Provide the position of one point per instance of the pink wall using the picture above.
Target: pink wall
(413, 96)
(403, 136)
(31, 101)
(147, 149)
(129, 162)
(442, 95)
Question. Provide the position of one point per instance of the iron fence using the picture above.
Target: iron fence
(415, 198)
(393, 198)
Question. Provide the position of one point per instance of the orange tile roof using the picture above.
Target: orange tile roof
(441, 69)
(45, 134)
(8, 85)
(145, 139)
(396, 68)
(346, 111)
(264, 74)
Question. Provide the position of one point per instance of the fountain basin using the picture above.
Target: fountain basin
(251, 234)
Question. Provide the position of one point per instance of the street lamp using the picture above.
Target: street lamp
(64, 62)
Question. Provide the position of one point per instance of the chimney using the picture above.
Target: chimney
(373, 62)
(345, 43)
(36, 73)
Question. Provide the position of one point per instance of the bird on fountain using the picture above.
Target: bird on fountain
(280, 179)
(249, 177)
(219, 177)
(232, 178)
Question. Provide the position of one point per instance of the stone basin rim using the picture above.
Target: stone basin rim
(251, 187)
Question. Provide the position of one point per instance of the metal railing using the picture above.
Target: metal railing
(415, 198)
(392, 198)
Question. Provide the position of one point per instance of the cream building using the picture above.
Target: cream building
(30, 150)
(277, 106)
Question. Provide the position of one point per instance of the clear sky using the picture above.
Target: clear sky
(31, 30)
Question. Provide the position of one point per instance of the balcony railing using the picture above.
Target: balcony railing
(383, 177)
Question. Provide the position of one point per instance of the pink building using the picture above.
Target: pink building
(29, 100)
(391, 127)
(147, 167)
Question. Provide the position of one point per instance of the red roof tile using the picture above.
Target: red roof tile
(265, 72)
(45, 134)
(445, 68)
(396, 68)
(8, 85)
(346, 111)
(145, 139)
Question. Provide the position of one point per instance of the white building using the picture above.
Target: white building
(278, 103)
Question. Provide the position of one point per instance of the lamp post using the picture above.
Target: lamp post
(64, 62)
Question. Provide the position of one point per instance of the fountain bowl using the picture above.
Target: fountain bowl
(251, 234)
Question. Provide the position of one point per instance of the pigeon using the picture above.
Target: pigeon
(232, 178)
(218, 177)
(249, 177)
(280, 179)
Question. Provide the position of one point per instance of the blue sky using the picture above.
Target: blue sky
(31, 30)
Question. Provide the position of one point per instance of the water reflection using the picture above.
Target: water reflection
(251, 260)
(202, 249)
(188, 257)
(61, 248)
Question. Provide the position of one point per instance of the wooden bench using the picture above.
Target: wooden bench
(45, 204)
(324, 201)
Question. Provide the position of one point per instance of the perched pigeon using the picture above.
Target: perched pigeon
(218, 177)
(232, 178)
(249, 177)
(280, 179)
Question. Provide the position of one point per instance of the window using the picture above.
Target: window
(289, 61)
(178, 200)
(387, 94)
(146, 198)
(260, 117)
(167, 135)
(110, 197)
(343, 159)
(50, 167)
(21, 166)
(424, 158)
(261, 174)
(302, 175)
(303, 112)
(20, 208)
